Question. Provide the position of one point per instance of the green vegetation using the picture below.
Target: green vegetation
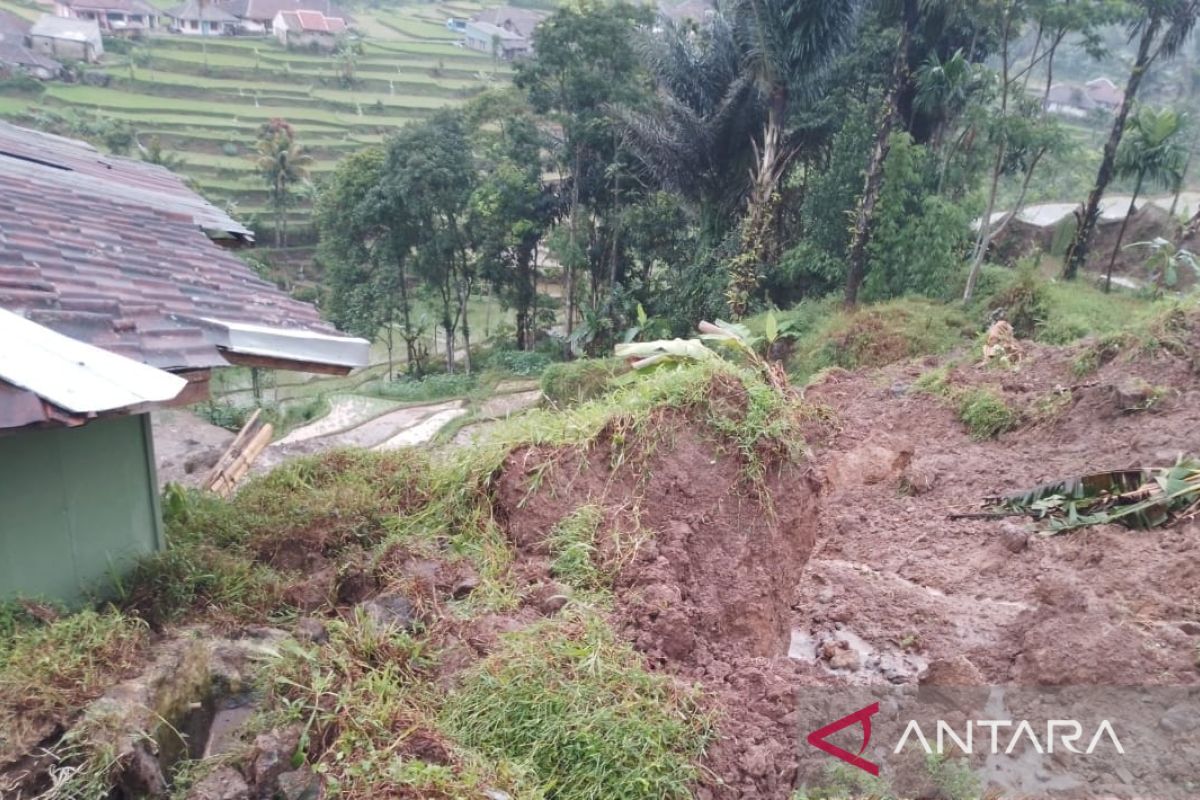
(577, 706)
(577, 381)
(985, 413)
(572, 546)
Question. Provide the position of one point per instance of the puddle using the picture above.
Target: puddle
(875, 665)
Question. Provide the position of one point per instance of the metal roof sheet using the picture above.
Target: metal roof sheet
(260, 340)
(76, 376)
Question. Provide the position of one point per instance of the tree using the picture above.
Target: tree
(787, 49)
(511, 209)
(429, 166)
(1153, 150)
(692, 141)
(366, 239)
(1160, 28)
(282, 163)
(585, 65)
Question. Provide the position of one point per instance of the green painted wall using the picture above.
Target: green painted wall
(77, 507)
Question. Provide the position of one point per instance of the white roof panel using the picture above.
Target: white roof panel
(75, 376)
(291, 344)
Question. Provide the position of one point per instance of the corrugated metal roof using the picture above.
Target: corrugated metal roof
(109, 251)
(74, 376)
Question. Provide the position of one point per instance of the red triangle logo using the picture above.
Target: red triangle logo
(861, 717)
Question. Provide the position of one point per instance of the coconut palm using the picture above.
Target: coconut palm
(282, 164)
(1153, 149)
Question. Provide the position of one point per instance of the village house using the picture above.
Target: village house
(503, 31)
(16, 57)
(66, 39)
(113, 16)
(310, 29)
(202, 19)
(119, 296)
(1080, 100)
(258, 16)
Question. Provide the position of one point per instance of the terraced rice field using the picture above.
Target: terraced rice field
(205, 100)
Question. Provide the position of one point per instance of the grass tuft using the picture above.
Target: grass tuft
(578, 708)
(985, 413)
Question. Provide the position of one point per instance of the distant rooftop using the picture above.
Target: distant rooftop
(313, 22)
(122, 6)
(200, 11)
(521, 21)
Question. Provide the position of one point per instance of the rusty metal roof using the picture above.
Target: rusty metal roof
(113, 252)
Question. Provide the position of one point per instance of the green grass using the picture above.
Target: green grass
(985, 413)
(572, 546)
(47, 672)
(576, 381)
(578, 708)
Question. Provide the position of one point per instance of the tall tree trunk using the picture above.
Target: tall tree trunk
(1090, 213)
(1187, 165)
(758, 226)
(983, 239)
(1137, 189)
(569, 266)
(857, 267)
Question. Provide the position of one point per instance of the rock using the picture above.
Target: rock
(141, 775)
(1133, 394)
(314, 591)
(223, 783)
(956, 671)
(1014, 537)
(464, 586)
(311, 629)
(840, 656)
(549, 598)
(1190, 628)
(300, 784)
(390, 611)
(1179, 719)
(272, 756)
(1125, 775)
(496, 794)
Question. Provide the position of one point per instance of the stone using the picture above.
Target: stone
(840, 656)
(1125, 775)
(464, 586)
(300, 784)
(1190, 628)
(391, 611)
(273, 753)
(223, 783)
(1014, 537)
(141, 774)
(311, 629)
(1134, 394)
(496, 794)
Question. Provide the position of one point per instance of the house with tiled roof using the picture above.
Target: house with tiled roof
(310, 29)
(120, 292)
(113, 16)
(258, 16)
(195, 18)
(503, 31)
(16, 57)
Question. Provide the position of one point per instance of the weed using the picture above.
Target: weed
(953, 778)
(574, 382)
(572, 545)
(423, 390)
(985, 413)
(579, 708)
(50, 671)
(1051, 405)
(934, 382)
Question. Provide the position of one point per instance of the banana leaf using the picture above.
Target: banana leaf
(1138, 499)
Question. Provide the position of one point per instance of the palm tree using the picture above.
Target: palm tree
(1161, 27)
(787, 49)
(1152, 149)
(693, 143)
(282, 163)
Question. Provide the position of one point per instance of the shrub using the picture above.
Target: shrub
(985, 413)
(576, 381)
(518, 362)
(577, 706)
(438, 386)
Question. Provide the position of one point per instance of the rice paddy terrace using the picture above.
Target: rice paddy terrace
(205, 99)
